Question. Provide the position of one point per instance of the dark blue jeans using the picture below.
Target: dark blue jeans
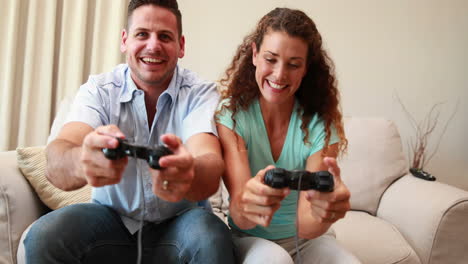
(93, 233)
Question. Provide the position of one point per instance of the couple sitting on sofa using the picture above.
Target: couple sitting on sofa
(279, 108)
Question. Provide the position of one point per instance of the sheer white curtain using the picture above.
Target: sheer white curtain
(48, 50)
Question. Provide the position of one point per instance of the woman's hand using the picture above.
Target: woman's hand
(329, 207)
(257, 202)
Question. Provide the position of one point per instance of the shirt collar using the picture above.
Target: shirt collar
(130, 87)
(175, 84)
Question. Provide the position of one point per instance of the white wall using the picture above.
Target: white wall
(417, 49)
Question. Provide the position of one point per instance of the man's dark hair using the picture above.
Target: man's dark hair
(170, 5)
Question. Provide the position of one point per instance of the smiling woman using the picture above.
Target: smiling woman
(280, 109)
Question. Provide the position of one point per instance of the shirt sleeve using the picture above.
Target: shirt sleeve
(224, 117)
(200, 116)
(89, 106)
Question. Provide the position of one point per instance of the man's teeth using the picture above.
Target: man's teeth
(276, 86)
(152, 60)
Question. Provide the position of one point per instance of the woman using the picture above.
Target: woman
(280, 108)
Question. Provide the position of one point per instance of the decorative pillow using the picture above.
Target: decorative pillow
(32, 163)
(219, 202)
(375, 159)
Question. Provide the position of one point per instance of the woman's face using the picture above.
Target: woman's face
(280, 66)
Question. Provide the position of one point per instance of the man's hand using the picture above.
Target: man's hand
(258, 202)
(175, 178)
(329, 207)
(98, 170)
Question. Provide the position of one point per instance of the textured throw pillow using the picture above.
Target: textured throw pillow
(32, 163)
(219, 202)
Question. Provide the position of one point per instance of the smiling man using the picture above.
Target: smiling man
(138, 213)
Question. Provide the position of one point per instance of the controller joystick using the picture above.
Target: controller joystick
(125, 148)
(280, 178)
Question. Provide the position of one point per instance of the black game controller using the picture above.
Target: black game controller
(280, 178)
(125, 148)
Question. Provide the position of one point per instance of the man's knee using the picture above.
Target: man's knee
(205, 233)
(63, 223)
(206, 224)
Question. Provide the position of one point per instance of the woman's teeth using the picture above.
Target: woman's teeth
(276, 86)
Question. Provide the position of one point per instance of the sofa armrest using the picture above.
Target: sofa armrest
(431, 216)
(19, 206)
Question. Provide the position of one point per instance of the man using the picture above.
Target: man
(150, 101)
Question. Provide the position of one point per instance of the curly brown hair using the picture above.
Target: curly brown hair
(318, 92)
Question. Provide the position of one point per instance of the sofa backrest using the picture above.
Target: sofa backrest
(374, 160)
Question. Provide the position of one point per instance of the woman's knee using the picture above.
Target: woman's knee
(253, 249)
(326, 249)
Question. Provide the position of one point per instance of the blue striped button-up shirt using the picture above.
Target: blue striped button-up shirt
(186, 108)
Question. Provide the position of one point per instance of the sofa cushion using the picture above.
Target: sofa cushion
(32, 163)
(219, 202)
(374, 160)
(21, 253)
(373, 240)
(19, 206)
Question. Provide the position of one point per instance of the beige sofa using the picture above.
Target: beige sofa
(395, 217)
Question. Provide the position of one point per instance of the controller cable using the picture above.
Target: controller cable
(296, 236)
(142, 215)
(142, 196)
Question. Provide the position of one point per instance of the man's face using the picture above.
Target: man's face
(152, 46)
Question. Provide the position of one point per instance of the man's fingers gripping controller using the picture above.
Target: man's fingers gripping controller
(125, 148)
